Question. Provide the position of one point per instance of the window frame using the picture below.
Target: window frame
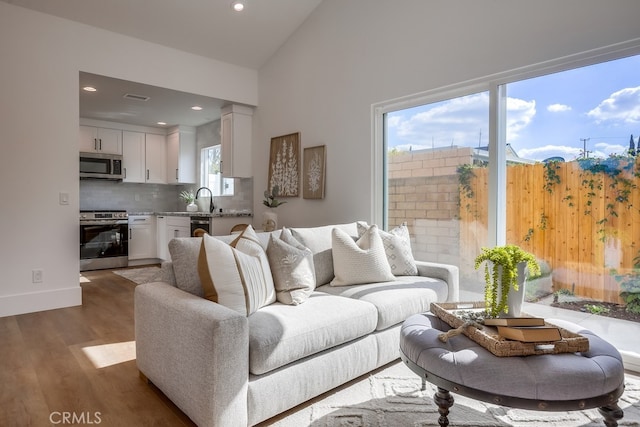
(496, 86)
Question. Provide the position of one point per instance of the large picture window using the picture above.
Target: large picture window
(546, 159)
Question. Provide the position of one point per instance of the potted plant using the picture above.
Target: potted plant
(504, 274)
(190, 199)
(270, 219)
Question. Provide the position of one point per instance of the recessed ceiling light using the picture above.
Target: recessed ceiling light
(196, 107)
(89, 89)
(162, 123)
(238, 6)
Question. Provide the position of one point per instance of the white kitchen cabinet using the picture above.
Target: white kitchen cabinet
(100, 140)
(133, 156)
(142, 237)
(143, 157)
(170, 227)
(155, 159)
(236, 140)
(181, 155)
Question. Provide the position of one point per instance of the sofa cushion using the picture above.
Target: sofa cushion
(280, 334)
(184, 259)
(292, 268)
(318, 239)
(397, 300)
(361, 261)
(397, 247)
(237, 275)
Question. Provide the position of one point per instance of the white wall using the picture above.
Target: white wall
(351, 54)
(40, 57)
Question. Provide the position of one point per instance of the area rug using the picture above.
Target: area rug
(391, 397)
(140, 275)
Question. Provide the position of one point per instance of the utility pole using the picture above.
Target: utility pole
(585, 152)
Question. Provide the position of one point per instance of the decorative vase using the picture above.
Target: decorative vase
(515, 298)
(269, 220)
(192, 207)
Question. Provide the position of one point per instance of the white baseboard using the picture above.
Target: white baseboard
(12, 305)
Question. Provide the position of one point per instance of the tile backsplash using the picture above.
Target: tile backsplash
(104, 195)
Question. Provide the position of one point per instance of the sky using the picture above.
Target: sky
(597, 107)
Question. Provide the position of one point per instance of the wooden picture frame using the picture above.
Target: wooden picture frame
(284, 165)
(313, 172)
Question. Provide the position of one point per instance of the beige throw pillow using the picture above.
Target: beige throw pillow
(397, 247)
(236, 275)
(292, 268)
(362, 261)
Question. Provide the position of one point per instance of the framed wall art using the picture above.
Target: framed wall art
(313, 175)
(284, 164)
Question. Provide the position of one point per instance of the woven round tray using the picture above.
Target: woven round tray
(488, 338)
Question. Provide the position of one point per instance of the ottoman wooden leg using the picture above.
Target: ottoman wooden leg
(444, 400)
(611, 413)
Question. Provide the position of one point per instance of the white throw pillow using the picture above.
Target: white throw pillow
(292, 268)
(397, 247)
(236, 275)
(362, 261)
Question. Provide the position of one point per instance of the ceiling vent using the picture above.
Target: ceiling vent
(135, 97)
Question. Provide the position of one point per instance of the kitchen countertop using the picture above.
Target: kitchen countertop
(206, 214)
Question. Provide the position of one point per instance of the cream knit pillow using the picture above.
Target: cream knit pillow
(362, 261)
(236, 275)
(397, 247)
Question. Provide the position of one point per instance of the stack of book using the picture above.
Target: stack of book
(525, 329)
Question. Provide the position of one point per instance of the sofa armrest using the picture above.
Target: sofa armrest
(447, 272)
(195, 351)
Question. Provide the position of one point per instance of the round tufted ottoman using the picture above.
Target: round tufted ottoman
(552, 382)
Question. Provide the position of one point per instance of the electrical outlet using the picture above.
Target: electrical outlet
(36, 276)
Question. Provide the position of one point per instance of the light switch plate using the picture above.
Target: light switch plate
(64, 198)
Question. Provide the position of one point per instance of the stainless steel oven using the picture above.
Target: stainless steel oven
(200, 224)
(103, 240)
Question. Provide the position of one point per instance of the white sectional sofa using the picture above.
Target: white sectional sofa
(224, 368)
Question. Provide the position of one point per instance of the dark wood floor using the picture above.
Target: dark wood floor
(79, 362)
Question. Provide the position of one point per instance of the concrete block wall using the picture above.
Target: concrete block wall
(424, 192)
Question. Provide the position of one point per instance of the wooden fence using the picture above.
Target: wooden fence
(582, 218)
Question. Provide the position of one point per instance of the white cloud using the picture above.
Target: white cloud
(558, 108)
(460, 121)
(623, 105)
(546, 151)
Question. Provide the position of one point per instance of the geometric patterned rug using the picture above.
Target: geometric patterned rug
(392, 398)
(140, 275)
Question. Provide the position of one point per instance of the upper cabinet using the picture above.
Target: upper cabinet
(236, 139)
(133, 156)
(155, 159)
(143, 157)
(100, 140)
(181, 155)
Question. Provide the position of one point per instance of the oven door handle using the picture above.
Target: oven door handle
(119, 222)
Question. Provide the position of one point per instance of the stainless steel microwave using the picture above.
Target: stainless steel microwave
(101, 166)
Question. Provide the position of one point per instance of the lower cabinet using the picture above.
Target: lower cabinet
(169, 227)
(142, 237)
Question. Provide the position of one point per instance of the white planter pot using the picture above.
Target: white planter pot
(192, 207)
(515, 299)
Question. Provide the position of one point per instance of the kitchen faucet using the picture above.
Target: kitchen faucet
(210, 200)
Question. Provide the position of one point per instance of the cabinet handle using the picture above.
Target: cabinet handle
(221, 168)
(100, 144)
(147, 174)
(125, 173)
(95, 144)
(130, 233)
(175, 233)
(176, 174)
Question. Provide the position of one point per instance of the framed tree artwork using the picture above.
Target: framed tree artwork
(284, 164)
(313, 172)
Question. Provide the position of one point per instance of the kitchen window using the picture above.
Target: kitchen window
(210, 175)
